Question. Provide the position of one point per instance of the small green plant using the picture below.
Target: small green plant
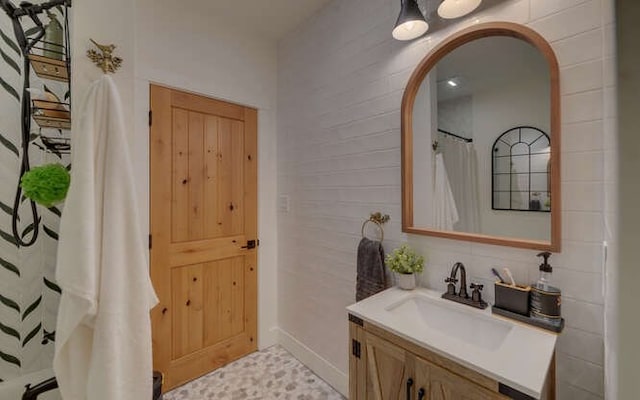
(404, 260)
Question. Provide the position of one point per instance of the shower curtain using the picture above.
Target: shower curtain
(461, 162)
(445, 211)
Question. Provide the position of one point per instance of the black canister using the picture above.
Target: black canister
(545, 304)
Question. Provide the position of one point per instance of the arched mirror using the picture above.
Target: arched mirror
(481, 140)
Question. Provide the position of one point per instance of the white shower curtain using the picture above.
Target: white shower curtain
(445, 211)
(461, 162)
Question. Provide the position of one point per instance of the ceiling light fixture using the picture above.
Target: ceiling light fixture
(411, 23)
(452, 83)
(450, 9)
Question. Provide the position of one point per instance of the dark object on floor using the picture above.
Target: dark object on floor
(157, 385)
(32, 393)
(371, 277)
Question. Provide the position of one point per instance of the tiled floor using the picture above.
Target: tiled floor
(269, 374)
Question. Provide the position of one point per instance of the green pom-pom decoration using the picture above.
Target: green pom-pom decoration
(46, 185)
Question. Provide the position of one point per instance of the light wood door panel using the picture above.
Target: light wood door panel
(195, 184)
(387, 370)
(187, 299)
(230, 195)
(180, 174)
(441, 384)
(203, 211)
(208, 176)
(211, 149)
(224, 299)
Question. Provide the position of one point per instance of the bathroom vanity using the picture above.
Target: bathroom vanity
(414, 345)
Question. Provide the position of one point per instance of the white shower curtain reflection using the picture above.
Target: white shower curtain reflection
(460, 161)
(445, 211)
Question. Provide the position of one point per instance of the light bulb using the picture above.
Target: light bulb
(410, 30)
(411, 23)
(450, 9)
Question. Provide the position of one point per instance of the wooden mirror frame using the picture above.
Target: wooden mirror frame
(451, 43)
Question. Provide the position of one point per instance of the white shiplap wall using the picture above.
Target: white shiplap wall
(340, 82)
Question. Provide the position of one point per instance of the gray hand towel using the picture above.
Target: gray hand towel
(371, 277)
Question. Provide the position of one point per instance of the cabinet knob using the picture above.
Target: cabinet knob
(409, 385)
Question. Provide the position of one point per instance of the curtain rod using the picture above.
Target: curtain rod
(456, 136)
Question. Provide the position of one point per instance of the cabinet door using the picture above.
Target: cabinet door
(441, 384)
(387, 370)
(357, 363)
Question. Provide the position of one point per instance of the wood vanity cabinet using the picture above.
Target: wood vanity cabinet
(388, 370)
(383, 366)
(441, 384)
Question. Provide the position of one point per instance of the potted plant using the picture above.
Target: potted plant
(405, 263)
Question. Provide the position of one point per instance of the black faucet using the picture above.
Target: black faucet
(463, 278)
(462, 296)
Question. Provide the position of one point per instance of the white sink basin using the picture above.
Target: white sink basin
(448, 319)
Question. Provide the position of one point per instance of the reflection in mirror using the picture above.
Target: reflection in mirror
(472, 171)
(521, 159)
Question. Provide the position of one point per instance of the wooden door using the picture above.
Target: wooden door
(388, 372)
(440, 384)
(203, 174)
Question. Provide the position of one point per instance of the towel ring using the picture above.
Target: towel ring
(364, 225)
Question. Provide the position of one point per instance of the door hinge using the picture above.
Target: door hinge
(251, 244)
(150, 241)
(356, 348)
(150, 117)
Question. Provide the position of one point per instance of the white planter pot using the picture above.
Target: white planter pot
(406, 281)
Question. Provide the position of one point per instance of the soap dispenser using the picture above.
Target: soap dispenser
(545, 299)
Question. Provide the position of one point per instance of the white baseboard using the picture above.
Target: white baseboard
(321, 367)
(268, 337)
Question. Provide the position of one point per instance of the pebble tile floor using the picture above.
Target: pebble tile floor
(272, 373)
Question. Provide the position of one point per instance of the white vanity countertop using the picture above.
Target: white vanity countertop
(519, 359)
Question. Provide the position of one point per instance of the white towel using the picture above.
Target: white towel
(445, 212)
(103, 339)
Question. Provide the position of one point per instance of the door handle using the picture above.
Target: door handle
(251, 244)
(409, 385)
(421, 394)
